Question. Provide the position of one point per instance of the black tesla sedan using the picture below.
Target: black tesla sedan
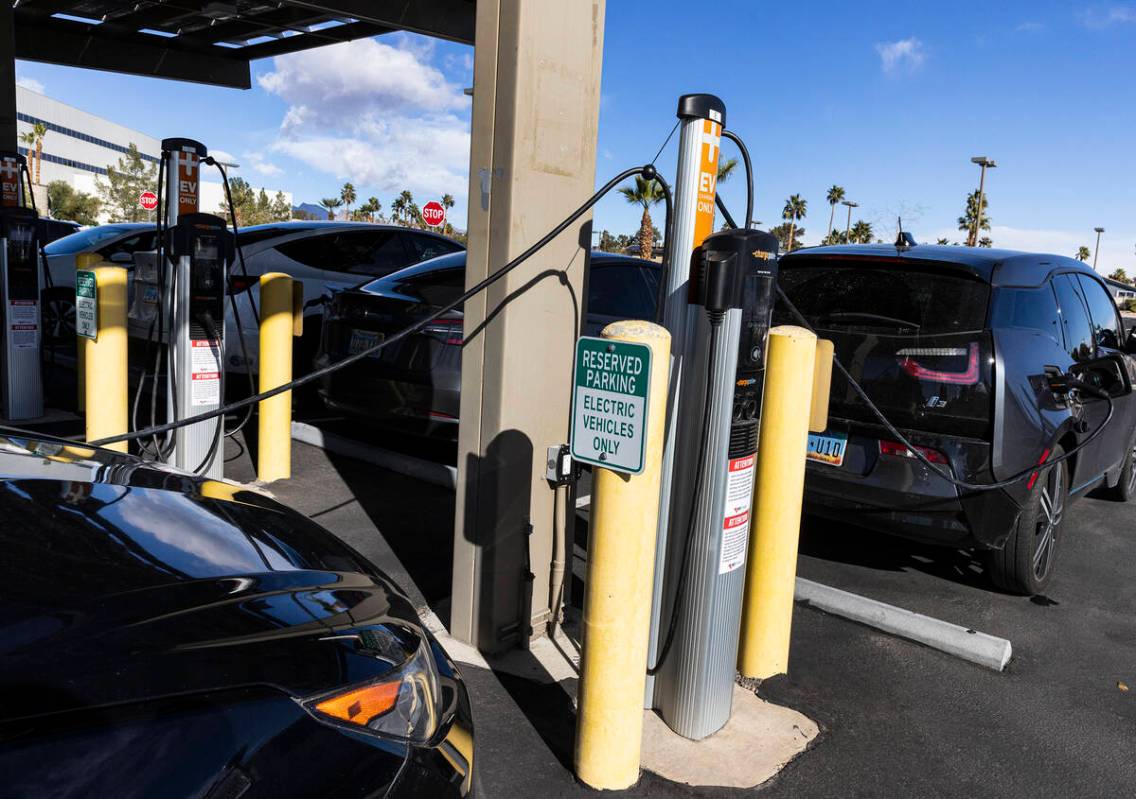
(165, 636)
(415, 384)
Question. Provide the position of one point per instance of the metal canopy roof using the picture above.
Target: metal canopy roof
(213, 42)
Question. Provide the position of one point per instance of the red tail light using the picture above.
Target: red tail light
(897, 450)
(445, 331)
(966, 357)
(239, 283)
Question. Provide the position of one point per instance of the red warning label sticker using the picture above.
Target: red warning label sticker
(205, 372)
(735, 519)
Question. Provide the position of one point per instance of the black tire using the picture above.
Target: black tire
(1125, 488)
(1025, 564)
(57, 314)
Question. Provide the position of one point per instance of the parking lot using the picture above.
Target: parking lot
(896, 717)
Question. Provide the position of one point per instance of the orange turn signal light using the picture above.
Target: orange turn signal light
(363, 704)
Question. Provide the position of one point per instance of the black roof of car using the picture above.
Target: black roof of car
(996, 267)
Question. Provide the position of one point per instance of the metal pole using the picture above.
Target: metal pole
(8, 127)
(767, 612)
(105, 359)
(978, 210)
(617, 601)
(1096, 250)
(274, 415)
(702, 117)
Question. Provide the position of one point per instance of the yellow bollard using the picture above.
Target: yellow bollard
(822, 386)
(83, 261)
(771, 568)
(617, 600)
(274, 416)
(104, 360)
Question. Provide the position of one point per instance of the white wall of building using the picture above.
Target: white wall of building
(83, 141)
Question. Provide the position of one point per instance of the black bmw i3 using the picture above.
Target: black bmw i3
(956, 345)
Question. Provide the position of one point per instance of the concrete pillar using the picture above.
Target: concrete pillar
(532, 161)
(7, 78)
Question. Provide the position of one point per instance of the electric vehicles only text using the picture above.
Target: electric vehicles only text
(954, 345)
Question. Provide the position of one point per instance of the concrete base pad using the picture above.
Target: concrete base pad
(757, 742)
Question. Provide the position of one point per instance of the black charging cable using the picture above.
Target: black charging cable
(729, 134)
(1072, 383)
(410, 330)
(715, 318)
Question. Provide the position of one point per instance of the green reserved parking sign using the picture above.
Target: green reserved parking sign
(609, 403)
(86, 304)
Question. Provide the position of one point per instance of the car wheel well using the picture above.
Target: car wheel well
(1068, 443)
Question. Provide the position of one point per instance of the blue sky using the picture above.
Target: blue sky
(890, 100)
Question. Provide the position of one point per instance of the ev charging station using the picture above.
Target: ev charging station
(20, 292)
(193, 272)
(719, 298)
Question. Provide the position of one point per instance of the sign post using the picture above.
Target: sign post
(86, 304)
(609, 403)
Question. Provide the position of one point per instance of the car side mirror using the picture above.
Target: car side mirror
(1130, 342)
(124, 258)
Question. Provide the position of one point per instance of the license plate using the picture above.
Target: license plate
(827, 448)
(363, 340)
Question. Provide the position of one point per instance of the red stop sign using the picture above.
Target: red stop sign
(434, 214)
(148, 200)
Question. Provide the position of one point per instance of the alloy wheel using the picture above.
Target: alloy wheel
(1052, 501)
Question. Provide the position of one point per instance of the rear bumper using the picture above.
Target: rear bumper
(903, 497)
(426, 404)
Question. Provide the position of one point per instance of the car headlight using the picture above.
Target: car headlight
(402, 704)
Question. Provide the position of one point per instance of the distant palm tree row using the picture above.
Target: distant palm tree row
(403, 210)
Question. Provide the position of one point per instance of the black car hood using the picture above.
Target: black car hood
(123, 582)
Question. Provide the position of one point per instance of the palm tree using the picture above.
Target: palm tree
(1083, 253)
(347, 194)
(966, 221)
(834, 196)
(726, 169)
(331, 203)
(400, 208)
(795, 210)
(40, 131)
(374, 208)
(861, 232)
(646, 193)
(28, 140)
(447, 201)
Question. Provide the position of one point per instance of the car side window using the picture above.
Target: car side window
(141, 242)
(1031, 309)
(1102, 311)
(624, 290)
(436, 287)
(426, 247)
(362, 252)
(1074, 318)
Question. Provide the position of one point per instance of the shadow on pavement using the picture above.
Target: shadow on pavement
(857, 546)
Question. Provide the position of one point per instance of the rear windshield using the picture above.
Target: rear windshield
(891, 298)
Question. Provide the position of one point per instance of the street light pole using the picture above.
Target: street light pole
(1096, 250)
(848, 226)
(983, 162)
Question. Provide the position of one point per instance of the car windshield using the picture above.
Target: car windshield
(418, 272)
(89, 239)
(896, 298)
(257, 233)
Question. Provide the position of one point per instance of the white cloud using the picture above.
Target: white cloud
(1107, 16)
(257, 163)
(1029, 26)
(905, 55)
(381, 116)
(31, 84)
(224, 156)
